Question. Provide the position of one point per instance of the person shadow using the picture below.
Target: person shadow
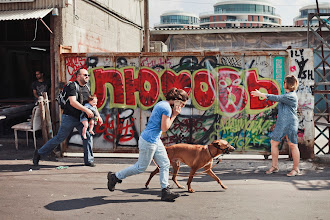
(80, 203)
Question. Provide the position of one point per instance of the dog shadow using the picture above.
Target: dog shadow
(157, 192)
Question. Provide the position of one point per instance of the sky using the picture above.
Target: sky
(287, 9)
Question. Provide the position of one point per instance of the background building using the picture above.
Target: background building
(304, 11)
(177, 19)
(34, 32)
(241, 13)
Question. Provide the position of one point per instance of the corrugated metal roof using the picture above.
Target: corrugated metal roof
(214, 28)
(36, 4)
(199, 30)
(24, 14)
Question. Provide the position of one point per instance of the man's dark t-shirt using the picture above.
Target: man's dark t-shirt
(71, 91)
(41, 87)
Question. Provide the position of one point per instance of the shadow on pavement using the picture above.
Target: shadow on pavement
(312, 180)
(73, 204)
(22, 167)
(27, 167)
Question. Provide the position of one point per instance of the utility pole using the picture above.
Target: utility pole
(146, 26)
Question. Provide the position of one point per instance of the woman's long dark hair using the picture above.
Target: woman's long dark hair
(177, 94)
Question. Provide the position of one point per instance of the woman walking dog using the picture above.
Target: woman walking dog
(151, 146)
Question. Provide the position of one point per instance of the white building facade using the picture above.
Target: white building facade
(301, 20)
(241, 13)
(178, 19)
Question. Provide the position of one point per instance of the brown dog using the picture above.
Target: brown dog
(196, 157)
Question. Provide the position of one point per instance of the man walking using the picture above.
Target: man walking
(71, 119)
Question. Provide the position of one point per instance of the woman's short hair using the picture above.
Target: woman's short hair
(291, 82)
(91, 98)
(177, 94)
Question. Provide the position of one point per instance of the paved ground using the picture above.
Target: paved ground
(80, 192)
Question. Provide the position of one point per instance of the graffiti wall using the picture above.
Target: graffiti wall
(219, 87)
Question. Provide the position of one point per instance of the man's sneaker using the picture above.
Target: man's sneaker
(36, 158)
(90, 164)
(169, 196)
(112, 180)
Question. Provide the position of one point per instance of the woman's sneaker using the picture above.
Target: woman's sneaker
(169, 196)
(112, 180)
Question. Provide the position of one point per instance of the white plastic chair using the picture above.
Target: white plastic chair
(33, 125)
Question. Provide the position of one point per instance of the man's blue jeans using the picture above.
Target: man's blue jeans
(147, 151)
(67, 124)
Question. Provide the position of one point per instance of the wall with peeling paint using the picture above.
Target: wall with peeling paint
(219, 85)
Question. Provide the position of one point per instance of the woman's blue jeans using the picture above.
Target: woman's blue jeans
(147, 152)
(67, 124)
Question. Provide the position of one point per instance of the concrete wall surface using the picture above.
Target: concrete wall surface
(108, 26)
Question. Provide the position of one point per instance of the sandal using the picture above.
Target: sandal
(272, 170)
(293, 173)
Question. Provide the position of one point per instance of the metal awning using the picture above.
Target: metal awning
(24, 14)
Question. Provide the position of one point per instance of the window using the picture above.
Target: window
(203, 20)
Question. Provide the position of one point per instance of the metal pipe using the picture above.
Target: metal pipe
(146, 26)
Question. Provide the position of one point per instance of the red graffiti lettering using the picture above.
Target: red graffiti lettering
(154, 62)
(232, 96)
(253, 83)
(105, 128)
(74, 63)
(204, 92)
(124, 131)
(106, 79)
(129, 86)
(182, 81)
(293, 69)
(148, 87)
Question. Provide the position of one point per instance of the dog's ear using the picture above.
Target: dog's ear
(220, 143)
(217, 143)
